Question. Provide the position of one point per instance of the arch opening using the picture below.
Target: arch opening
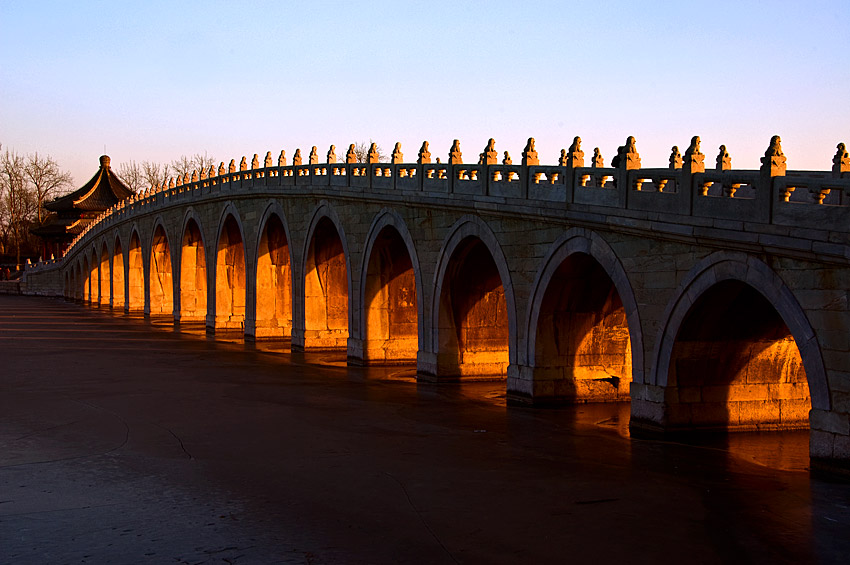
(326, 290)
(87, 286)
(105, 277)
(473, 317)
(79, 283)
(135, 276)
(390, 302)
(735, 365)
(230, 277)
(161, 279)
(583, 347)
(117, 271)
(193, 275)
(94, 277)
(274, 283)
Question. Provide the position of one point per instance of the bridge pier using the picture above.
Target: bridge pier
(426, 366)
(297, 339)
(830, 435)
(649, 409)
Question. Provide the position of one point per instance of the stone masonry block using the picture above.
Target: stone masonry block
(648, 411)
(841, 447)
(839, 381)
(841, 402)
(821, 444)
(834, 340)
(836, 360)
(832, 422)
(823, 299)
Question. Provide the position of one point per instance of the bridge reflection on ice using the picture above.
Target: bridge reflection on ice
(786, 450)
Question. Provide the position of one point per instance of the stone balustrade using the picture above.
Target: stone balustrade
(816, 200)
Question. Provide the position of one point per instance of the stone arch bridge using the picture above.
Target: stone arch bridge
(709, 298)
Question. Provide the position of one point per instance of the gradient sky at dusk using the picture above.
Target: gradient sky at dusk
(155, 80)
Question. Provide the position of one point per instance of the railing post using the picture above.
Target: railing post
(455, 158)
(572, 160)
(772, 165)
(529, 159)
(840, 162)
(627, 159)
(693, 163)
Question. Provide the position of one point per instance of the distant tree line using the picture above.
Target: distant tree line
(26, 183)
(143, 175)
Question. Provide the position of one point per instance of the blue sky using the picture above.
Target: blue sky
(156, 80)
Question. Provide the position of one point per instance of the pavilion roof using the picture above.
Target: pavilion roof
(102, 191)
(55, 226)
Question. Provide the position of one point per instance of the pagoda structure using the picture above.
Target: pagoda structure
(70, 214)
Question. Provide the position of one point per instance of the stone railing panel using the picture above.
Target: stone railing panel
(816, 201)
(287, 176)
(381, 175)
(548, 183)
(358, 175)
(338, 174)
(435, 178)
(730, 195)
(469, 179)
(505, 181)
(596, 186)
(319, 174)
(657, 190)
(408, 177)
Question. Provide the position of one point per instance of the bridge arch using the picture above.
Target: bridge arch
(390, 273)
(230, 270)
(732, 283)
(135, 272)
(95, 268)
(83, 280)
(86, 278)
(326, 286)
(465, 344)
(274, 278)
(161, 275)
(593, 348)
(78, 280)
(192, 266)
(117, 270)
(105, 272)
(91, 282)
(94, 281)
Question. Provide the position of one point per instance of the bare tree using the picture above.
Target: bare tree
(185, 165)
(46, 179)
(203, 162)
(361, 151)
(17, 198)
(182, 166)
(133, 176)
(155, 174)
(5, 218)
